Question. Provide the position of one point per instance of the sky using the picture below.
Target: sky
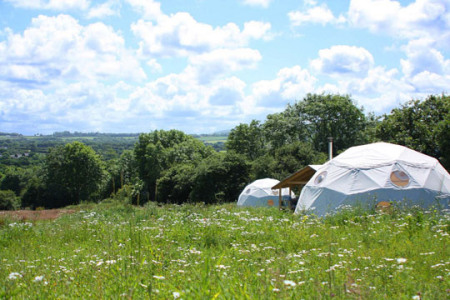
(202, 66)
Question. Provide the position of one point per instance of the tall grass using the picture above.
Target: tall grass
(117, 251)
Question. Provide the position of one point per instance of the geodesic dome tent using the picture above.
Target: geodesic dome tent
(374, 173)
(260, 193)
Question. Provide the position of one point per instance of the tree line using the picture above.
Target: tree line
(174, 167)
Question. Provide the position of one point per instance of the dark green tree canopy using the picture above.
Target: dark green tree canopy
(247, 139)
(421, 125)
(158, 151)
(329, 115)
(74, 170)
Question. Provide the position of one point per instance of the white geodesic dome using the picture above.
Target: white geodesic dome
(373, 173)
(260, 193)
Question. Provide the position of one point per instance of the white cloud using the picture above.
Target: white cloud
(183, 98)
(106, 9)
(425, 67)
(222, 61)
(262, 3)
(181, 35)
(149, 9)
(316, 15)
(422, 56)
(422, 18)
(343, 60)
(59, 48)
(289, 85)
(154, 65)
(51, 4)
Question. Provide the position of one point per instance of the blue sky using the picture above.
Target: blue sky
(202, 66)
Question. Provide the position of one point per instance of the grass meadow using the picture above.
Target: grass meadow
(117, 251)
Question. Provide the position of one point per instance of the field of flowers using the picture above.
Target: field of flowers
(117, 251)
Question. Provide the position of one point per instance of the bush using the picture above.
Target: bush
(9, 200)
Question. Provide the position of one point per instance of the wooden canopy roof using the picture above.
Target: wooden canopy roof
(298, 178)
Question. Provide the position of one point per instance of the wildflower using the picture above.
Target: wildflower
(14, 276)
(176, 295)
(38, 278)
(416, 297)
(159, 277)
(275, 290)
(401, 260)
(222, 267)
(290, 283)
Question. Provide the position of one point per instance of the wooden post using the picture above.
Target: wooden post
(279, 198)
(290, 199)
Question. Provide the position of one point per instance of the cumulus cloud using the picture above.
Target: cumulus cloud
(106, 9)
(149, 9)
(426, 67)
(222, 61)
(422, 18)
(181, 35)
(343, 60)
(422, 56)
(289, 85)
(315, 14)
(58, 48)
(183, 97)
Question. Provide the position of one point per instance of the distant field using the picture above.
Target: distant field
(213, 139)
(116, 251)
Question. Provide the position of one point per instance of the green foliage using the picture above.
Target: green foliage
(281, 129)
(421, 125)
(9, 200)
(120, 172)
(220, 178)
(292, 157)
(329, 115)
(158, 151)
(247, 140)
(176, 184)
(12, 180)
(74, 171)
(35, 193)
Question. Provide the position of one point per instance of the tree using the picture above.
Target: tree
(421, 125)
(9, 200)
(176, 184)
(220, 178)
(74, 171)
(13, 180)
(330, 116)
(290, 158)
(247, 139)
(284, 128)
(158, 151)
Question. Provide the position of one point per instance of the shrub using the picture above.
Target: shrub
(9, 200)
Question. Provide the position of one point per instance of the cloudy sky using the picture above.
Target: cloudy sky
(207, 65)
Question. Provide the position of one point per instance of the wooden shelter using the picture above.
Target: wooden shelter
(298, 179)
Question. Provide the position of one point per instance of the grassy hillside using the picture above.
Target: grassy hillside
(223, 252)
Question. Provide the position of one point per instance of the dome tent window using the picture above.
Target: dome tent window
(321, 177)
(399, 178)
